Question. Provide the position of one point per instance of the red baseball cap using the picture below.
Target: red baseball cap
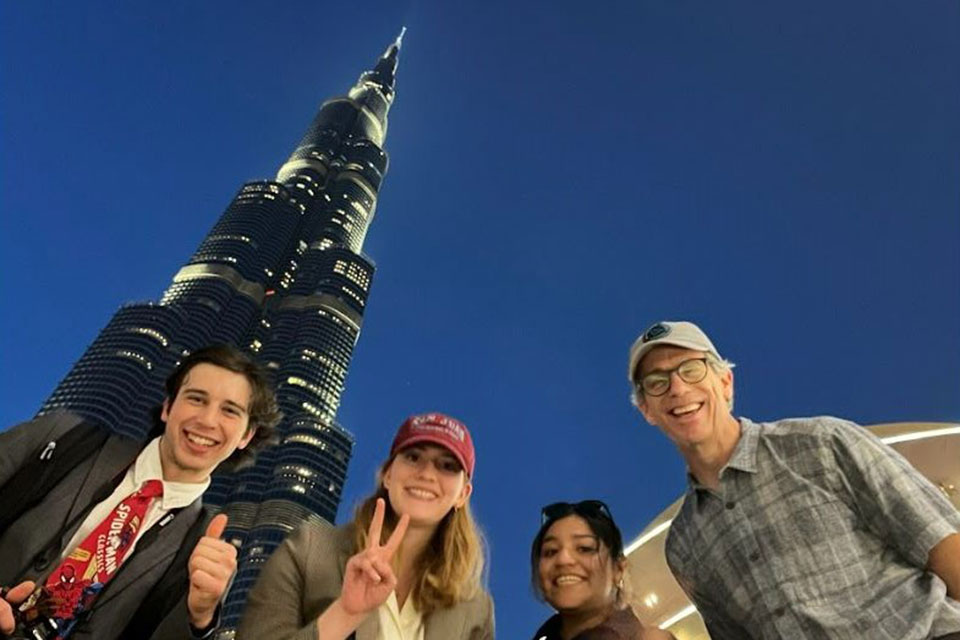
(440, 429)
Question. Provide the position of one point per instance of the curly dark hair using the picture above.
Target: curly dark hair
(263, 411)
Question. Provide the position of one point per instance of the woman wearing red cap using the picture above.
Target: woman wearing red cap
(409, 565)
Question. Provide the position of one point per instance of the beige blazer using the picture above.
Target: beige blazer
(304, 576)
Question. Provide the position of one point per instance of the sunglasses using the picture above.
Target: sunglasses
(586, 508)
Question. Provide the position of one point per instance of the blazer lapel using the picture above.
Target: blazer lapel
(116, 455)
(145, 560)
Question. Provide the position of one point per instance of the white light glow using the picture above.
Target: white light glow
(933, 433)
(674, 619)
(648, 536)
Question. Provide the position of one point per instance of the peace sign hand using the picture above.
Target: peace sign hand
(368, 578)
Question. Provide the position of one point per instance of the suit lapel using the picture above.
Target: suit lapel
(116, 455)
(144, 560)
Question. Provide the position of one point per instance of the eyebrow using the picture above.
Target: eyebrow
(443, 455)
(576, 535)
(204, 393)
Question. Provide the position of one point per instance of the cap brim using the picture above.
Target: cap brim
(646, 348)
(440, 443)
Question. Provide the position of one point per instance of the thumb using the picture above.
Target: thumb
(217, 525)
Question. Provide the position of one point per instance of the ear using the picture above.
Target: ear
(464, 494)
(165, 410)
(247, 437)
(387, 476)
(726, 383)
(619, 571)
(644, 409)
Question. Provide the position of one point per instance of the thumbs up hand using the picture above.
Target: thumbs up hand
(211, 565)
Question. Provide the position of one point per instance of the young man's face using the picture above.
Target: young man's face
(689, 414)
(205, 423)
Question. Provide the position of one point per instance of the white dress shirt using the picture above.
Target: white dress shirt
(176, 495)
(399, 624)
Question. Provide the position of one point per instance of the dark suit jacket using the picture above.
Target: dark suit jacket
(21, 543)
(304, 576)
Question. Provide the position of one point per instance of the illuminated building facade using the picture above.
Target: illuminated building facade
(933, 448)
(281, 275)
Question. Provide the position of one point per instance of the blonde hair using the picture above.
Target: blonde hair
(450, 569)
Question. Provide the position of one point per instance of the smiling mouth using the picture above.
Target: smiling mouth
(200, 441)
(686, 409)
(421, 494)
(566, 580)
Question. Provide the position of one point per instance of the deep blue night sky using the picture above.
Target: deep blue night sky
(562, 175)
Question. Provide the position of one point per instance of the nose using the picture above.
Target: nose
(564, 557)
(677, 384)
(427, 468)
(208, 415)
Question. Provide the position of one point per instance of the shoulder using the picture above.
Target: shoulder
(317, 541)
(816, 432)
(479, 608)
(549, 630)
(49, 426)
(472, 615)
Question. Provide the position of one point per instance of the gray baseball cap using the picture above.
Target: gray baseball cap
(678, 334)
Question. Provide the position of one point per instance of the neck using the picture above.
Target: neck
(415, 541)
(706, 459)
(572, 623)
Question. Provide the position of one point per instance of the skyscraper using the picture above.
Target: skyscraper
(282, 275)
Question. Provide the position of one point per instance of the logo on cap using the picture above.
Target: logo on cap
(655, 332)
(439, 423)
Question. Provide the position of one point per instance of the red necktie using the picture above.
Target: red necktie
(74, 585)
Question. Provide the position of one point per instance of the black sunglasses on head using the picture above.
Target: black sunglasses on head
(588, 508)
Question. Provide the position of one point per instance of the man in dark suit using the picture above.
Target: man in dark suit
(93, 550)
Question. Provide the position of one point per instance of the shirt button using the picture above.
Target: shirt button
(779, 611)
(730, 505)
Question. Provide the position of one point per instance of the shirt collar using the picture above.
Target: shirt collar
(176, 495)
(744, 456)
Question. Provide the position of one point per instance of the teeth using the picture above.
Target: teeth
(421, 493)
(568, 580)
(688, 408)
(205, 442)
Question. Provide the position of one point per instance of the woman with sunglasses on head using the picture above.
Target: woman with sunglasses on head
(407, 567)
(578, 568)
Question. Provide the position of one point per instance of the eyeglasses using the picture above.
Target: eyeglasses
(588, 508)
(656, 383)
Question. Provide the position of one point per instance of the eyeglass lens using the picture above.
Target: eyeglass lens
(690, 371)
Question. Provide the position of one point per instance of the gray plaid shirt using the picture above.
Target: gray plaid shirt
(818, 530)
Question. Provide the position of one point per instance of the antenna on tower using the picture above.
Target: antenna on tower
(399, 41)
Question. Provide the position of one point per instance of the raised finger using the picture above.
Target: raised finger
(397, 536)
(20, 592)
(7, 623)
(376, 524)
(216, 526)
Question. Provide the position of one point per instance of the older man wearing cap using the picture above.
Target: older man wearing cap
(800, 528)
